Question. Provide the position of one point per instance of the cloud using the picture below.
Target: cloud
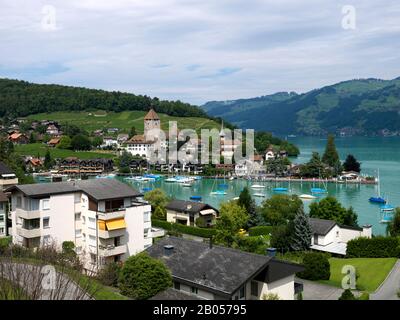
(197, 51)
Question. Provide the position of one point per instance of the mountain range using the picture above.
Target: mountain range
(354, 107)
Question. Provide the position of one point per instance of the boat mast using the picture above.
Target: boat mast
(379, 185)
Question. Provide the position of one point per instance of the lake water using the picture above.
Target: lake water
(374, 153)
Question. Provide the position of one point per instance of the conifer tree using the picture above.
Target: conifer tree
(301, 238)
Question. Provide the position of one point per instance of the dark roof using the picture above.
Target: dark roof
(188, 206)
(98, 189)
(321, 226)
(343, 226)
(277, 270)
(4, 169)
(219, 269)
(3, 197)
(173, 294)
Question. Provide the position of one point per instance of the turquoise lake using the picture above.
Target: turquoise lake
(374, 153)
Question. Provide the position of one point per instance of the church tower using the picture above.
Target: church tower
(151, 121)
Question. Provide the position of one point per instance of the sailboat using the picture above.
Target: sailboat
(387, 213)
(378, 198)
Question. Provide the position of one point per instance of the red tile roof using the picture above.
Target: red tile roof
(151, 115)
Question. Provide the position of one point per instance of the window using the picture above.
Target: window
(92, 223)
(19, 202)
(194, 290)
(242, 292)
(254, 289)
(147, 217)
(1, 206)
(1, 218)
(1, 230)
(46, 222)
(46, 204)
(78, 233)
(177, 285)
(77, 216)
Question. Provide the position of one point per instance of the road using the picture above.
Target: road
(389, 288)
(317, 291)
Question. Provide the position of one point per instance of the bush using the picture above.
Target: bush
(4, 244)
(176, 227)
(260, 231)
(364, 296)
(347, 295)
(316, 266)
(142, 277)
(252, 244)
(378, 247)
(109, 274)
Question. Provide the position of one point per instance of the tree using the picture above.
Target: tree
(158, 200)
(132, 132)
(32, 137)
(331, 156)
(331, 209)
(247, 202)
(347, 295)
(280, 208)
(97, 141)
(232, 218)
(124, 162)
(65, 143)
(81, 142)
(142, 277)
(313, 168)
(281, 237)
(48, 162)
(393, 229)
(351, 164)
(301, 239)
(316, 266)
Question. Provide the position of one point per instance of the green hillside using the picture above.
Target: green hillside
(21, 98)
(94, 120)
(364, 106)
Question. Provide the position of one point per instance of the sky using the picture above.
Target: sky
(198, 51)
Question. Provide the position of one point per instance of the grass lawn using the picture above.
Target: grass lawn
(372, 271)
(40, 149)
(94, 120)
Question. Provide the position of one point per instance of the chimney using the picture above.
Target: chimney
(367, 231)
(168, 250)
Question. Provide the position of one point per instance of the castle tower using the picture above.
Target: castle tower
(151, 121)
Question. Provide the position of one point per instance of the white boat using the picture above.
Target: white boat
(218, 193)
(307, 197)
(261, 195)
(187, 184)
(170, 180)
(257, 186)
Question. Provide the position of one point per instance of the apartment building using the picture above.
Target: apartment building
(106, 219)
(3, 214)
(7, 177)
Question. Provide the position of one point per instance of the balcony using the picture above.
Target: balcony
(28, 233)
(27, 214)
(110, 251)
(111, 215)
(157, 233)
(111, 234)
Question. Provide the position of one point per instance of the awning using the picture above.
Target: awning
(102, 225)
(207, 212)
(115, 224)
(8, 175)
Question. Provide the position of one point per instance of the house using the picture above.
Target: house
(73, 165)
(3, 214)
(349, 176)
(54, 142)
(7, 177)
(269, 153)
(329, 236)
(52, 130)
(139, 146)
(33, 164)
(214, 272)
(112, 130)
(105, 219)
(109, 142)
(188, 213)
(122, 138)
(18, 138)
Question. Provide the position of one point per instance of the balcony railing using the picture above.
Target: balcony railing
(28, 214)
(28, 233)
(112, 215)
(111, 234)
(108, 251)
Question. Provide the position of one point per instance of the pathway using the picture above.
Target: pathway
(389, 288)
(317, 291)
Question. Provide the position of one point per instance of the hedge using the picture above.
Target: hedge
(260, 231)
(316, 266)
(194, 231)
(378, 247)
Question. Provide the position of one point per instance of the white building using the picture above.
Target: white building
(139, 146)
(109, 142)
(3, 214)
(329, 236)
(269, 154)
(105, 219)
